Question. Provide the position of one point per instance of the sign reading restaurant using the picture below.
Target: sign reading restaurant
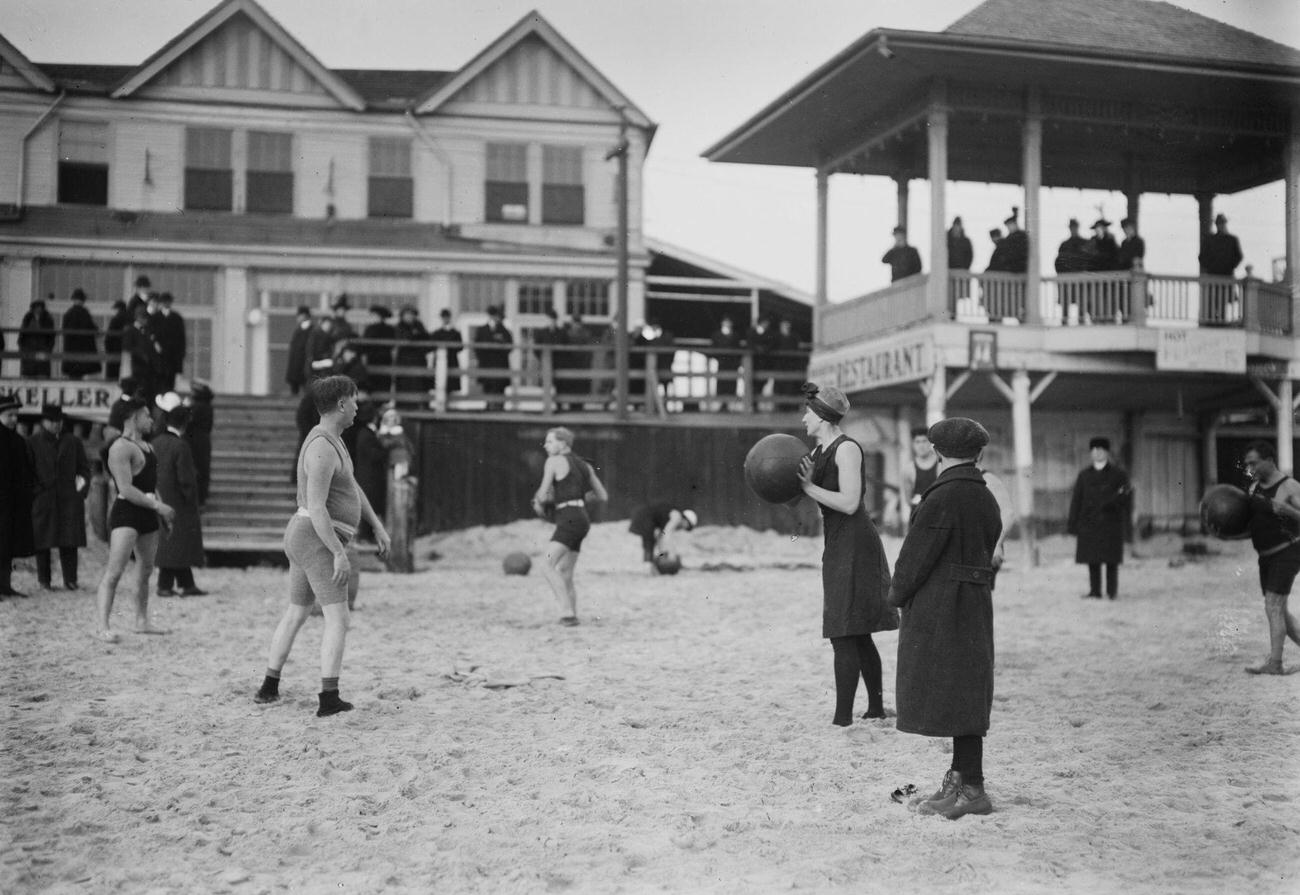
(82, 401)
(904, 358)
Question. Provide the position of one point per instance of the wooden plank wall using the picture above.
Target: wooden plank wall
(484, 472)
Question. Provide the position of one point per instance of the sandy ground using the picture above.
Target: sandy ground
(678, 741)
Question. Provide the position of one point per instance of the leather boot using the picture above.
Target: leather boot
(945, 798)
(971, 799)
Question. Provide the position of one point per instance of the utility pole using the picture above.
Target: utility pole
(620, 295)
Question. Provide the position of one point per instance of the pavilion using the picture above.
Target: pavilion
(1136, 97)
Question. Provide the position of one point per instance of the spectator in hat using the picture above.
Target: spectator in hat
(16, 483)
(960, 251)
(903, 259)
(169, 330)
(1220, 251)
(180, 547)
(495, 357)
(141, 344)
(790, 358)
(448, 337)
(117, 324)
(61, 479)
(342, 327)
(1011, 253)
(943, 583)
(552, 334)
(378, 355)
(1133, 250)
(199, 435)
(36, 342)
(80, 336)
(1102, 250)
(729, 340)
(295, 373)
(140, 297)
(413, 353)
(1072, 254)
(321, 346)
(1098, 513)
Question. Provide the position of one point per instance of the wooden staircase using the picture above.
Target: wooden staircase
(252, 495)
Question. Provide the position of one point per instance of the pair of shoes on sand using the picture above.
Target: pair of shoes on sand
(570, 621)
(954, 799)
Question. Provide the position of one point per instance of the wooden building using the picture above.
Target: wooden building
(244, 176)
(1137, 97)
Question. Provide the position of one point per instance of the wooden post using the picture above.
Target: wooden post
(400, 522)
(548, 381)
(1022, 436)
(901, 193)
(820, 297)
(1033, 181)
(1293, 217)
(1285, 427)
(1204, 215)
(936, 288)
(440, 379)
(936, 394)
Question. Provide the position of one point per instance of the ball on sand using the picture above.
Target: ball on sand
(668, 563)
(516, 563)
(1225, 511)
(772, 468)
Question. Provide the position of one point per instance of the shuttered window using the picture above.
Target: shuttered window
(506, 187)
(209, 182)
(269, 186)
(391, 186)
(83, 163)
(563, 196)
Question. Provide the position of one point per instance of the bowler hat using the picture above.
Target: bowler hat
(1099, 442)
(142, 282)
(342, 302)
(381, 312)
(78, 294)
(1100, 222)
(958, 438)
(52, 412)
(9, 402)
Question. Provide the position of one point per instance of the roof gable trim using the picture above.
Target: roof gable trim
(25, 68)
(192, 36)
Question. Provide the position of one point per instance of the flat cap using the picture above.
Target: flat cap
(1100, 441)
(958, 438)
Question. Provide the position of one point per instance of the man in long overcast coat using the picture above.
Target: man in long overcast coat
(1098, 511)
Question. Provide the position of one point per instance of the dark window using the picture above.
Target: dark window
(209, 181)
(563, 196)
(269, 186)
(506, 188)
(83, 163)
(83, 184)
(391, 186)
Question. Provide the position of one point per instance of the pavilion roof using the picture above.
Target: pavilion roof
(1193, 103)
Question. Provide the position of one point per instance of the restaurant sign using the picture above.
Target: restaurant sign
(875, 364)
(79, 400)
(1202, 350)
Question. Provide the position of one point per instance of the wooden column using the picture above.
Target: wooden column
(1033, 180)
(936, 292)
(1132, 190)
(820, 297)
(936, 394)
(1285, 427)
(1204, 216)
(1293, 218)
(901, 193)
(1022, 394)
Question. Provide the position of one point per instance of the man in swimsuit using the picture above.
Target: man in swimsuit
(567, 479)
(921, 474)
(133, 520)
(1275, 534)
(330, 506)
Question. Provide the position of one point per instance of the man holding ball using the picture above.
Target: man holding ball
(1275, 535)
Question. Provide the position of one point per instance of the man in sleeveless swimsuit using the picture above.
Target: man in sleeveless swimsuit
(920, 475)
(567, 479)
(1275, 534)
(133, 520)
(330, 506)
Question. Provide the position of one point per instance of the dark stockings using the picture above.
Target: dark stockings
(856, 656)
(1112, 579)
(968, 758)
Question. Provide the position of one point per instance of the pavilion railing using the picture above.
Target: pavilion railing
(985, 297)
(893, 307)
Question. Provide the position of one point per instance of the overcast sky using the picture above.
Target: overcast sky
(698, 68)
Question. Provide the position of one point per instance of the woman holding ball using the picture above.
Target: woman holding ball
(567, 480)
(855, 573)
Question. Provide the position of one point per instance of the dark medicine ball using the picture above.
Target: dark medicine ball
(772, 468)
(1226, 511)
(668, 563)
(516, 564)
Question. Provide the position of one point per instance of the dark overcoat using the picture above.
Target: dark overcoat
(80, 336)
(178, 486)
(295, 373)
(15, 495)
(1098, 509)
(370, 464)
(58, 506)
(942, 582)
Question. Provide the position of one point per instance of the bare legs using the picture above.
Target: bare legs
(337, 622)
(558, 570)
(1281, 625)
(122, 541)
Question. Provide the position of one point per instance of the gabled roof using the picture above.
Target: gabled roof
(535, 26)
(389, 88)
(726, 272)
(218, 16)
(31, 73)
(1137, 27)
